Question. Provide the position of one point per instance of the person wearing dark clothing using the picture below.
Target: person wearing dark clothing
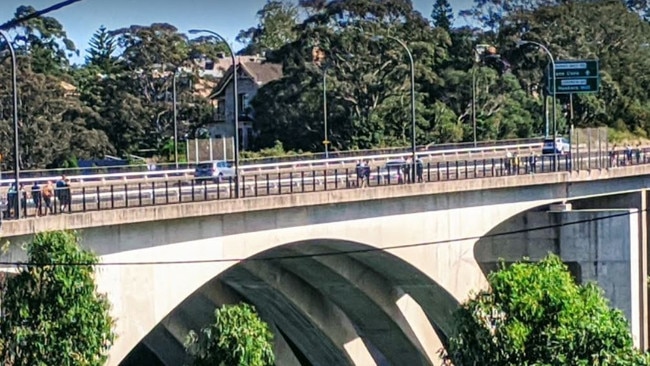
(532, 163)
(67, 197)
(61, 192)
(363, 174)
(407, 171)
(419, 169)
(37, 198)
(12, 202)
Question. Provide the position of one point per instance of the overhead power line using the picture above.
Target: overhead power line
(324, 254)
(15, 22)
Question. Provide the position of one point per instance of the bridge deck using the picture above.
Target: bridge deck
(161, 212)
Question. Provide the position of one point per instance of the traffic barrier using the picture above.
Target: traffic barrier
(116, 196)
(260, 168)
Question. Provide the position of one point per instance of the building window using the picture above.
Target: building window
(209, 65)
(242, 103)
(220, 110)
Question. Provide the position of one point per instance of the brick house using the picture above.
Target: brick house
(252, 73)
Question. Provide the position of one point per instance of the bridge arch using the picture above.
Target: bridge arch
(436, 228)
(328, 301)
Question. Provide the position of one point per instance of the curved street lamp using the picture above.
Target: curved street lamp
(413, 117)
(478, 50)
(235, 100)
(550, 56)
(319, 59)
(14, 86)
(175, 119)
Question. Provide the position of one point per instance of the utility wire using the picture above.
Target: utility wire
(15, 22)
(323, 254)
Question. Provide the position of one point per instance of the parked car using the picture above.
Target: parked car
(559, 145)
(395, 170)
(216, 171)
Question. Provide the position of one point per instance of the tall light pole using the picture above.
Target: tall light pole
(413, 117)
(175, 119)
(14, 86)
(474, 101)
(235, 100)
(553, 92)
(319, 59)
(478, 50)
(326, 141)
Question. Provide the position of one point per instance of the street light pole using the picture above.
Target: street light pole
(477, 60)
(235, 100)
(175, 120)
(474, 102)
(326, 141)
(14, 86)
(553, 92)
(413, 116)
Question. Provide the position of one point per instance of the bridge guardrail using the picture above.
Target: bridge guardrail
(115, 196)
(333, 155)
(272, 167)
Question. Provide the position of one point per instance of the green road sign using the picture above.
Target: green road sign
(575, 76)
(582, 85)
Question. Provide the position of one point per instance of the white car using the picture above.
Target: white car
(216, 171)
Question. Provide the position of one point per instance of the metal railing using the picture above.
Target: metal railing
(115, 196)
(169, 171)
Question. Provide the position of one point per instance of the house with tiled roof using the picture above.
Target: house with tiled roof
(252, 74)
(68, 89)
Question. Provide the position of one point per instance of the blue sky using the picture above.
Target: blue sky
(225, 17)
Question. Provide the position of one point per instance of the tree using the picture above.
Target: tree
(51, 311)
(442, 15)
(596, 33)
(535, 314)
(363, 72)
(152, 55)
(491, 14)
(277, 21)
(237, 337)
(54, 125)
(101, 53)
(45, 40)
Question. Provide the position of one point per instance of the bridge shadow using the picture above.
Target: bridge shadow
(533, 234)
(328, 302)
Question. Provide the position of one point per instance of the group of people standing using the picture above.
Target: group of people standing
(43, 197)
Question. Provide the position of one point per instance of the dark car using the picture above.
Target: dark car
(557, 146)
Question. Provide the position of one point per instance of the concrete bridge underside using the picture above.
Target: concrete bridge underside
(325, 307)
(324, 270)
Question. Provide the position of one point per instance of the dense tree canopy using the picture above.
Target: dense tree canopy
(119, 100)
(51, 311)
(535, 314)
(237, 337)
(275, 29)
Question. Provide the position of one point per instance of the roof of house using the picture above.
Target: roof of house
(67, 86)
(260, 72)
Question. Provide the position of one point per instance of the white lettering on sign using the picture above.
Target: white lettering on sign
(571, 66)
(574, 82)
